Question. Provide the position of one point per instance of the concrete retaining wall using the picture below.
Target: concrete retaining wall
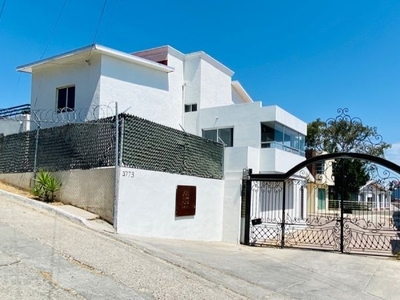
(92, 190)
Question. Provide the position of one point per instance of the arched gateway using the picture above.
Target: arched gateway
(316, 205)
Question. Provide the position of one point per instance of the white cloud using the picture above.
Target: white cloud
(393, 154)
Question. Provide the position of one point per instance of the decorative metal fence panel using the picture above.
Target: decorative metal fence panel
(326, 213)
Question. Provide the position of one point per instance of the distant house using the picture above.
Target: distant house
(375, 196)
(191, 92)
(320, 183)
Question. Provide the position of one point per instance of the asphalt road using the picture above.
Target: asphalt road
(45, 256)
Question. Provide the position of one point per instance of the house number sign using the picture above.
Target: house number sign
(129, 174)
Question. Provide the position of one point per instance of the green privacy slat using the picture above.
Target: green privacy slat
(146, 145)
(151, 146)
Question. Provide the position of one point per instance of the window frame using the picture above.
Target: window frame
(190, 107)
(279, 136)
(219, 139)
(67, 107)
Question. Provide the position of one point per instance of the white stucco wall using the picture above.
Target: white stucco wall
(12, 126)
(216, 88)
(236, 98)
(238, 158)
(205, 84)
(192, 81)
(146, 206)
(274, 160)
(246, 119)
(46, 80)
(143, 92)
(176, 89)
(231, 211)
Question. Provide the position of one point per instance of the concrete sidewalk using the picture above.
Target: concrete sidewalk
(260, 273)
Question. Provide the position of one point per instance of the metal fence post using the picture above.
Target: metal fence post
(247, 209)
(116, 171)
(283, 227)
(36, 155)
(343, 192)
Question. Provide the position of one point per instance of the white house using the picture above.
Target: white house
(375, 196)
(191, 92)
(14, 119)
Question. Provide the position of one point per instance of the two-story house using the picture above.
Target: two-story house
(191, 92)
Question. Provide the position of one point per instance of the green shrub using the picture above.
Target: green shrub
(46, 186)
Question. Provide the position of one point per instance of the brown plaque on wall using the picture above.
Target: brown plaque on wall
(185, 201)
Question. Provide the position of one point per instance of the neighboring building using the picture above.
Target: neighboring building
(320, 184)
(14, 119)
(374, 196)
(193, 92)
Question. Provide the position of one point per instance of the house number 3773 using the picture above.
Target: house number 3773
(129, 174)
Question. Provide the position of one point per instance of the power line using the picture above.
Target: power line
(54, 29)
(2, 9)
(112, 16)
(98, 24)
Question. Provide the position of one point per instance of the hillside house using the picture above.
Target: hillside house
(191, 92)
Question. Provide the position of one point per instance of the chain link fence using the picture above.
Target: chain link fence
(150, 146)
(83, 155)
(144, 145)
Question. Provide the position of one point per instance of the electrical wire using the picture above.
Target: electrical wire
(98, 24)
(54, 29)
(111, 17)
(97, 29)
(2, 9)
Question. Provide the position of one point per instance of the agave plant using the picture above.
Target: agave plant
(46, 186)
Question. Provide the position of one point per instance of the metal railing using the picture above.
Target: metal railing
(15, 111)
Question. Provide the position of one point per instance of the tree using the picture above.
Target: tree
(346, 134)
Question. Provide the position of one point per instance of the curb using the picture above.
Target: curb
(43, 206)
(208, 273)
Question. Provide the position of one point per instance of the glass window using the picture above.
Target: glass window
(66, 99)
(226, 135)
(267, 133)
(222, 135)
(190, 107)
(278, 133)
(275, 135)
(210, 134)
(320, 167)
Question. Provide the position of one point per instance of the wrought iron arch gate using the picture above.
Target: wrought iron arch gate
(324, 211)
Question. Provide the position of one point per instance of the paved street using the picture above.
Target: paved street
(45, 256)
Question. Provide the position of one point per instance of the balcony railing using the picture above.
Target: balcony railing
(15, 111)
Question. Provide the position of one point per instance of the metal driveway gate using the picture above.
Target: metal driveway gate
(322, 211)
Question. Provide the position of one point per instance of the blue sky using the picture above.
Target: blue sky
(309, 57)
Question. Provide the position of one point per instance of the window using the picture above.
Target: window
(275, 135)
(185, 201)
(190, 107)
(320, 167)
(221, 135)
(66, 99)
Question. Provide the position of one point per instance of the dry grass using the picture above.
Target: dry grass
(15, 190)
(18, 191)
